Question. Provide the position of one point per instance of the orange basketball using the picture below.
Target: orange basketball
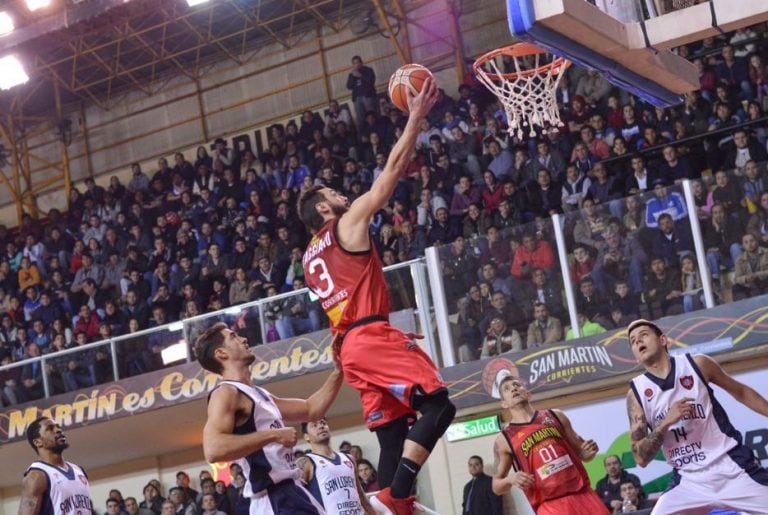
(409, 77)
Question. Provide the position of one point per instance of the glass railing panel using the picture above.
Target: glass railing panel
(633, 257)
(732, 209)
(497, 284)
(142, 352)
(79, 368)
(293, 314)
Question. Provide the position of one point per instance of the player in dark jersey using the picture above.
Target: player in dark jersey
(246, 423)
(546, 454)
(394, 377)
(51, 485)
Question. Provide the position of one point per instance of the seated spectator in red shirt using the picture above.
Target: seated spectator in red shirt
(530, 255)
(87, 323)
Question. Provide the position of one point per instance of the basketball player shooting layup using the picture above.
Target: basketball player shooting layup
(51, 485)
(546, 454)
(672, 407)
(393, 376)
(246, 423)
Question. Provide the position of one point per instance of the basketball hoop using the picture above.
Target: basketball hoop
(528, 93)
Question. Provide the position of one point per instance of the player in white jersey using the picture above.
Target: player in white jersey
(51, 485)
(331, 477)
(672, 407)
(247, 424)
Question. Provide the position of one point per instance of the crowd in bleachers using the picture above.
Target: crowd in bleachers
(219, 228)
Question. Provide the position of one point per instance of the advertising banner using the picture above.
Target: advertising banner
(731, 326)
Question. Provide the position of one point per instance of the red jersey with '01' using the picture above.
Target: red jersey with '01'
(350, 285)
(541, 448)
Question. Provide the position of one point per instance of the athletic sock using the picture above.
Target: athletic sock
(405, 476)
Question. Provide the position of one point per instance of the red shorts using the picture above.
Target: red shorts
(583, 502)
(385, 367)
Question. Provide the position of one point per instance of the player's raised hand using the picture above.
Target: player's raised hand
(679, 410)
(286, 436)
(588, 450)
(420, 105)
(521, 480)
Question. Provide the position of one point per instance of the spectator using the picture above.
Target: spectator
(743, 150)
(544, 329)
(362, 82)
(182, 495)
(299, 315)
(662, 202)
(751, 269)
(586, 328)
(500, 339)
(575, 188)
(641, 179)
(690, 285)
(670, 243)
(609, 487)
(721, 241)
(544, 197)
(663, 288)
(734, 72)
(532, 254)
(367, 475)
(132, 507)
(153, 501)
(478, 497)
(631, 500)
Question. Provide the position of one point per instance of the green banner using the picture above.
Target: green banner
(472, 428)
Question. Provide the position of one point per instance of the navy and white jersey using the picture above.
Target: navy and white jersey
(333, 484)
(68, 490)
(274, 462)
(696, 442)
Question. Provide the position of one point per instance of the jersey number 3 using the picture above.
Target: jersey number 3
(325, 288)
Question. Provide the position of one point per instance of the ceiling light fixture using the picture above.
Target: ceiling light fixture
(11, 72)
(34, 5)
(6, 23)
(193, 3)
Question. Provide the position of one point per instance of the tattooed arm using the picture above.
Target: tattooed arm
(646, 444)
(32, 489)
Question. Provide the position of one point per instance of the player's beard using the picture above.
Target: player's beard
(58, 448)
(339, 209)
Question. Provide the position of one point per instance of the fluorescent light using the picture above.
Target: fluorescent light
(193, 3)
(34, 5)
(174, 353)
(6, 23)
(11, 72)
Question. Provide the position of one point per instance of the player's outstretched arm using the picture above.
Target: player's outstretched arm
(221, 444)
(714, 373)
(353, 226)
(503, 481)
(317, 405)
(587, 449)
(33, 488)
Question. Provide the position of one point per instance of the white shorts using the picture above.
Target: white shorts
(286, 498)
(723, 484)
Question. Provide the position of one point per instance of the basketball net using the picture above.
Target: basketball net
(527, 94)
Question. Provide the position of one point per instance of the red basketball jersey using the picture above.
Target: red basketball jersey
(541, 448)
(350, 285)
